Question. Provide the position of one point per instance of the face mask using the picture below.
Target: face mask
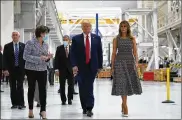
(45, 38)
(65, 43)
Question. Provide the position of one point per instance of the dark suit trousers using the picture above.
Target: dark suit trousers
(51, 76)
(16, 79)
(85, 82)
(63, 76)
(41, 77)
(0, 77)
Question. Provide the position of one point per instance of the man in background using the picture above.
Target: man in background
(13, 66)
(63, 69)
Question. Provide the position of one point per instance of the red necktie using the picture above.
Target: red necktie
(87, 50)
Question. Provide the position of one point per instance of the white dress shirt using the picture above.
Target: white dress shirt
(67, 48)
(14, 45)
(89, 37)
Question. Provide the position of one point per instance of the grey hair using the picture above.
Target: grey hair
(66, 36)
(15, 31)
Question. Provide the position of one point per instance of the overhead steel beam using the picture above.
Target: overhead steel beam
(76, 25)
(140, 26)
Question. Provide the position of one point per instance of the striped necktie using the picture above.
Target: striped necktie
(16, 54)
(66, 49)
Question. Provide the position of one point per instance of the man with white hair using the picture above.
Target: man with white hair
(86, 59)
(13, 66)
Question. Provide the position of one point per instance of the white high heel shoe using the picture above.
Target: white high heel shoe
(124, 115)
(122, 111)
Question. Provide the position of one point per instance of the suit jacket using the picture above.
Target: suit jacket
(1, 61)
(9, 57)
(62, 63)
(78, 56)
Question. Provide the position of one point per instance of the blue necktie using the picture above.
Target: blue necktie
(16, 54)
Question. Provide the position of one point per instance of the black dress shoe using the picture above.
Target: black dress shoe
(38, 105)
(69, 102)
(84, 111)
(21, 107)
(59, 91)
(52, 84)
(14, 107)
(89, 113)
(63, 103)
(75, 93)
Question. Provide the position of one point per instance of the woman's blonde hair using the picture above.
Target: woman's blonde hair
(129, 35)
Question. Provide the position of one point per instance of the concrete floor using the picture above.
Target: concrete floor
(146, 106)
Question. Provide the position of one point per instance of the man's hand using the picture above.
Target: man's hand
(57, 73)
(6, 73)
(99, 70)
(75, 70)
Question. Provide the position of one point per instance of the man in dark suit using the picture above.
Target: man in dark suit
(86, 59)
(1, 66)
(63, 69)
(13, 65)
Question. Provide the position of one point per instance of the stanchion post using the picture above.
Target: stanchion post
(168, 88)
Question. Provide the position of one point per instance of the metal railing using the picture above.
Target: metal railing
(168, 19)
(52, 10)
(57, 16)
(40, 6)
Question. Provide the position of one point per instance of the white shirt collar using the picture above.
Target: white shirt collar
(15, 43)
(89, 35)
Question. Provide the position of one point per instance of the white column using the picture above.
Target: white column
(27, 36)
(7, 21)
(140, 30)
(170, 53)
(149, 20)
(155, 37)
(169, 6)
